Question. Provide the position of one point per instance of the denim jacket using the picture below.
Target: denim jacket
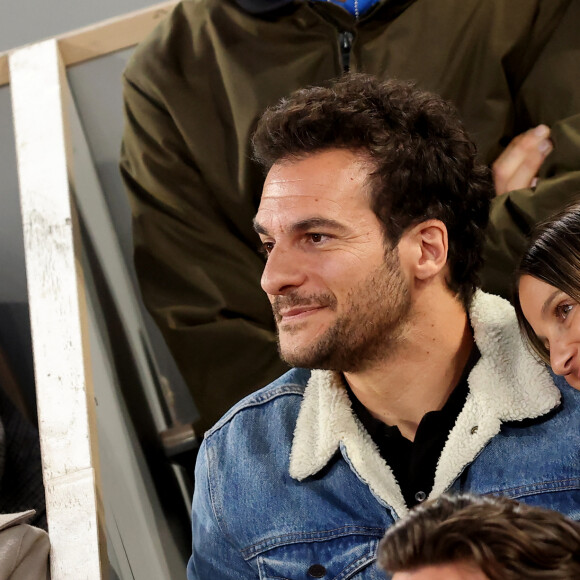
(290, 486)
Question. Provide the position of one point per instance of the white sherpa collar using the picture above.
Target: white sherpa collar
(506, 384)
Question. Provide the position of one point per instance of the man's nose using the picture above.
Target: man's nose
(561, 357)
(283, 272)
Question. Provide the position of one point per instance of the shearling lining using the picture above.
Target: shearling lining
(507, 384)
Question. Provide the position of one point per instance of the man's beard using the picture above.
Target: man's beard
(370, 329)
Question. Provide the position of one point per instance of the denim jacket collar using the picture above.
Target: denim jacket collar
(507, 384)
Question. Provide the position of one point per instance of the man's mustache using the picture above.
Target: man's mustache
(292, 300)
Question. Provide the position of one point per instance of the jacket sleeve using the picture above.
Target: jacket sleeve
(550, 94)
(24, 551)
(213, 555)
(199, 279)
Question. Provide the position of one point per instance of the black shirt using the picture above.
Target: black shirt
(414, 462)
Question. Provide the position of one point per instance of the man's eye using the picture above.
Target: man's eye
(267, 247)
(563, 310)
(316, 238)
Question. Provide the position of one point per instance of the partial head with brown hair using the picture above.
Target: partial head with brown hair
(496, 537)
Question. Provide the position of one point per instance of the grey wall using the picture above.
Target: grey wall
(23, 22)
(12, 282)
(26, 21)
(96, 89)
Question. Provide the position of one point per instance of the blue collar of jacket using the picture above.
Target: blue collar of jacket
(265, 6)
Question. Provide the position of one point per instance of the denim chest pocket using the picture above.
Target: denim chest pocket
(342, 558)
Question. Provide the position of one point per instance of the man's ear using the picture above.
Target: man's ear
(425, 245)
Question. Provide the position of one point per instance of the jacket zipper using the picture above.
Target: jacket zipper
(345, 42)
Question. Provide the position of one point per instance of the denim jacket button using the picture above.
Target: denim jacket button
(317, 571)
(420, 496)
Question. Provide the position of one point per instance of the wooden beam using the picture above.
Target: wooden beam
(58, 314)
(4, 72)
(111, 35)
(103, 38)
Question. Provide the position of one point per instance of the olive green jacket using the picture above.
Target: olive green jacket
(196, 86)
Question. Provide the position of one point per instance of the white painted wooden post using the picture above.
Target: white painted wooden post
(58, 314)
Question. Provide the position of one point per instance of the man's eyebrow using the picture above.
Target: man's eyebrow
(317, 223)
(259, 228)
(305, 225)
(549, 300)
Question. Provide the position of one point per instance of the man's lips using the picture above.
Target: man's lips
(298, 312)
(294, 308)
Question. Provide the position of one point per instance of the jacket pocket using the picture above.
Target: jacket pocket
(337, 558)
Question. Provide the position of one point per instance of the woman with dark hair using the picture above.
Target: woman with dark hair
(547, 295)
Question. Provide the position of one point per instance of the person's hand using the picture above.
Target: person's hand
(518, 166)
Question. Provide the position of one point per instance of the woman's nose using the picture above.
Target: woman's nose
(561, 357)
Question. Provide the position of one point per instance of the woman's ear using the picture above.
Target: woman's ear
(426, 246)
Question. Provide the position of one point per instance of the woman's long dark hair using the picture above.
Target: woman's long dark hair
(553, 255)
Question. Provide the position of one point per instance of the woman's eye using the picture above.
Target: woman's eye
(563, 310)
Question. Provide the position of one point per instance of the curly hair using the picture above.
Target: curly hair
(553, 255)
(424, 165)
(507, 540)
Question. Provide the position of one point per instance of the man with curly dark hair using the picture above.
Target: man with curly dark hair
(409, 380)
(195, 88)
(467, 537)
(422, 162)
